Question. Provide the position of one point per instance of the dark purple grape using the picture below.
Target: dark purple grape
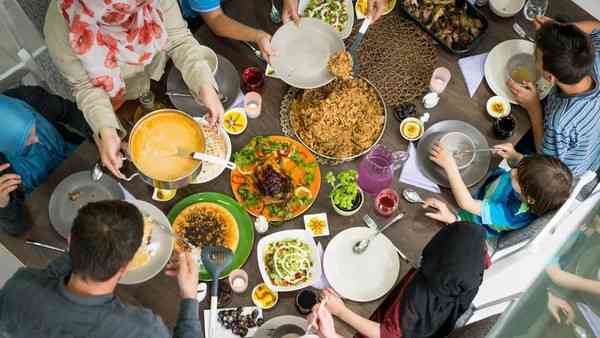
(404, 110)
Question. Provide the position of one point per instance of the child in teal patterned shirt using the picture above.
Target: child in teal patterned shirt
(508, 200)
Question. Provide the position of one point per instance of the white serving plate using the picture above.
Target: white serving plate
(302, 235)
(361, 277)
(495, 68)
(302, 4)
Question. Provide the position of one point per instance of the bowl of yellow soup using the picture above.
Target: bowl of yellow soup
(158, 146)
(412, 128)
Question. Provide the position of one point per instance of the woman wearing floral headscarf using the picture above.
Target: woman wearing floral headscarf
(109, 50)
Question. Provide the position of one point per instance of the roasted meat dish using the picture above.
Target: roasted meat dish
(272, 183)
(448, 20)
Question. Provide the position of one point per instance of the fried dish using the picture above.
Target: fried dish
(142, 255)
(448, 21)
(340, 120)
(340, 65)
(207, 224)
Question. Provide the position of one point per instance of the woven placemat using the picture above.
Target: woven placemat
(396, 56)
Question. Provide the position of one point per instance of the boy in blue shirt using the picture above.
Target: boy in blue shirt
(508, 200)
(567, 124)
(224, 26)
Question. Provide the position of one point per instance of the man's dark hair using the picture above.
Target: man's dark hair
(547, 180)
(104, 238)
(568, 52)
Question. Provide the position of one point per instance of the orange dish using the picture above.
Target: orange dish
(276, 177)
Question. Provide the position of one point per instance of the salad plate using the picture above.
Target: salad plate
(339, 14)
(242, 219)
(288, 260)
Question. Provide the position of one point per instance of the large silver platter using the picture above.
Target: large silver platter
(303, 51)
(297, 92)
(76, 191)
(227, 77)
(472, 174)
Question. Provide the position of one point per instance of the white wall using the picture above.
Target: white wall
(592, 6)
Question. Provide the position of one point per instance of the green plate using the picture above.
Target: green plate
(242, 218)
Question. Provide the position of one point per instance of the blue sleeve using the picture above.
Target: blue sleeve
(188, 322)
(205, 6)
(596, 39)
(500, 217)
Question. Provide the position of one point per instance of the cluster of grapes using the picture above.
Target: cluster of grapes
(404, 110)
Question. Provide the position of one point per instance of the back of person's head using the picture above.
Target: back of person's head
(104, 238)
(567, 52)
(546, 180)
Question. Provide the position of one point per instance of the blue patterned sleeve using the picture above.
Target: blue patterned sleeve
(596, 39)
(500, 217)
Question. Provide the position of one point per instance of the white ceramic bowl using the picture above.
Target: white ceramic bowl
(497, 99)
(506, 8)
(302, 235)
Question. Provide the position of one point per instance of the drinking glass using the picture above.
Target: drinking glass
(252, 79)
(535, 8)
(386, 202)
(504, 127)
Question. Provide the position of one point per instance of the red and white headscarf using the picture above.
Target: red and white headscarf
(107, 33)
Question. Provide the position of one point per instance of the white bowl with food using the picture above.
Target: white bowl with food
(339, 14)
(498, 107)
(288, 260)
(506, 8)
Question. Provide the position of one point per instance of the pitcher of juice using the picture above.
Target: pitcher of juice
(376, 169)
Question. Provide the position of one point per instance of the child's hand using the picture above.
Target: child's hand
(442, 157)
(442, 213)
(508, 152)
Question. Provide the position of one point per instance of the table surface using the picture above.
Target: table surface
(160, 293)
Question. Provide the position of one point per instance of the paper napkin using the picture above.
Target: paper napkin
(411, 174)
(472, 68)
(322, 283)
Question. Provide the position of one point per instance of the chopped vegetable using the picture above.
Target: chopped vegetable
(288, 262)
(332, 12)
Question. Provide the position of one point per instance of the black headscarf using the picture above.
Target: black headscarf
(446, 283)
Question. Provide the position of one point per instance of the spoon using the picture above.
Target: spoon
(456, 152)
(354, 48)
(360, 246)
(97, 173)
(412, 196)
(181, 152)
(312, 322)
(521, 32)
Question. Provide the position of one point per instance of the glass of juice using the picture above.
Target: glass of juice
(252, 79)
(386, 202)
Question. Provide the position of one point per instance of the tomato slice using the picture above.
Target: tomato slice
(237, 178)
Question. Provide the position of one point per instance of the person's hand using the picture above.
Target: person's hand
(526, 94)
(556, 305)
(376, 9)
(540, 20)
(109, 147)
(322, 322)
(441, 211)
(507, 151)
(183, 266)
(263, 41)
(290, 11)
(442, 157)
(211, 100)
(8, 184)
(334, 303)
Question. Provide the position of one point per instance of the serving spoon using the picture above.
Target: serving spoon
(354, 48)
(181, 152)
(362, 245)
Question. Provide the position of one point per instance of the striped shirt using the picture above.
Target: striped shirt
(572, 124)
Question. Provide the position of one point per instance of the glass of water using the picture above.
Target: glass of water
(535, 8)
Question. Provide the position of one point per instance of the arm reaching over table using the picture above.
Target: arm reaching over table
(440, 156)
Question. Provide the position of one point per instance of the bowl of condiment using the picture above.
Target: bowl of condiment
(305, 300)
(238, 279)
(412, 128)
(498, 107)
(235, 121)
(506, 8)
(264, 297)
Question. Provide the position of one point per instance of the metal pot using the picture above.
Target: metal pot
(179, 182)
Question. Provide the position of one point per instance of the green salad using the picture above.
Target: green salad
(288, 262)
(332, 12)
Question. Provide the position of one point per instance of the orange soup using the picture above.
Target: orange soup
(155, 143)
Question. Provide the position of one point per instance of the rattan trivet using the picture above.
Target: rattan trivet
(395, 55)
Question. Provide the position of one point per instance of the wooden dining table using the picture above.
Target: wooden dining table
(160, 294)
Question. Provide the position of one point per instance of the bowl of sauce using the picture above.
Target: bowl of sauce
(412, 128)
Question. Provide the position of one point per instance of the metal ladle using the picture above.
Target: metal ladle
(360, 246)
